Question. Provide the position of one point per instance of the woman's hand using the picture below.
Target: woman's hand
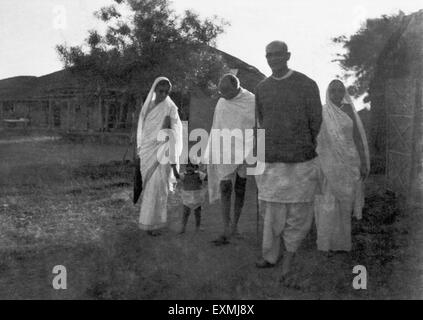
(175, 172)
(363, 172)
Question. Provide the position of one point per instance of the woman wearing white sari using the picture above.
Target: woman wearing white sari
(158, 118)
(344, 159)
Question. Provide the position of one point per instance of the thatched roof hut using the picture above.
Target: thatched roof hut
(397, 107)
(65, 101)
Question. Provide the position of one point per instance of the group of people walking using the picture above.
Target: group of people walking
(316, 160)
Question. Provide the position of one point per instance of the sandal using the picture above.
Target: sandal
(221, 241)
(263, 264)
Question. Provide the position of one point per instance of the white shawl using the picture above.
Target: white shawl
(237, 113)
(338, 155)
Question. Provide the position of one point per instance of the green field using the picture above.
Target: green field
(70, 204)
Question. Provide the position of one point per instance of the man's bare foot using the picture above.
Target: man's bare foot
(286, 262)
(154, 233)
(263, 264)
(235, 233)
(290, 280)
(287, 276)
(221, 241)
(330, 254)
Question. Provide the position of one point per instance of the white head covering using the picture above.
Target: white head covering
(151, 97)
(347, 100)
(338, 155)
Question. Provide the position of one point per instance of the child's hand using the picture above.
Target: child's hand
(175, 172)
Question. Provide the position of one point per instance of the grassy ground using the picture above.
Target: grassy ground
(69, 204)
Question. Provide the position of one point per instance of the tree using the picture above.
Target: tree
(151, 41)
(362, 50)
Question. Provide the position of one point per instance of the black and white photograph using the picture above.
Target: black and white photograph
(211, 150)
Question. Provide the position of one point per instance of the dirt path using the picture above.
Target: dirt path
(69, 206)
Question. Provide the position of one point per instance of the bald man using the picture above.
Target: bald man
(289, 109)
(234, 111)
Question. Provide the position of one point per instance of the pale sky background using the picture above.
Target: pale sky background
(29, 30)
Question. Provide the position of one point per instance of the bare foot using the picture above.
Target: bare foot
(290, 280)
(263, 264)
(330, 254)
(235, 233)
(221, 241)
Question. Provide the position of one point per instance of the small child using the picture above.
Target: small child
(193, 193)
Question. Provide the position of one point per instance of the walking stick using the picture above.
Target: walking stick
(136, 160)
(257, 200)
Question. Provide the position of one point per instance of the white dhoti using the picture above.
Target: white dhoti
(286, 193)
(291, 221)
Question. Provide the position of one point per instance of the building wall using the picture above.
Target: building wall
(397, 109)
(38, 115)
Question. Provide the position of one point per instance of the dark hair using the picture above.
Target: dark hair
(164, 83)
(337, 81)
(232, 79)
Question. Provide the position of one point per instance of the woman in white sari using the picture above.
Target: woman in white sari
(344, 160)
(158, 118)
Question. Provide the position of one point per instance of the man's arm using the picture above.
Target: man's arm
(258, 110)
(314, 109)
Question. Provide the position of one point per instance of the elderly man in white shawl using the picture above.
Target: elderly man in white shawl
(234, 111)
(159, 145)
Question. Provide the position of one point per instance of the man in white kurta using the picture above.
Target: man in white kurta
(235, 113)
(289, 110)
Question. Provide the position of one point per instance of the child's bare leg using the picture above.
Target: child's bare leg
(240, 184)
(197, 214)
(185, 216)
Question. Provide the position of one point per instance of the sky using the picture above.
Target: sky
(30, 30)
